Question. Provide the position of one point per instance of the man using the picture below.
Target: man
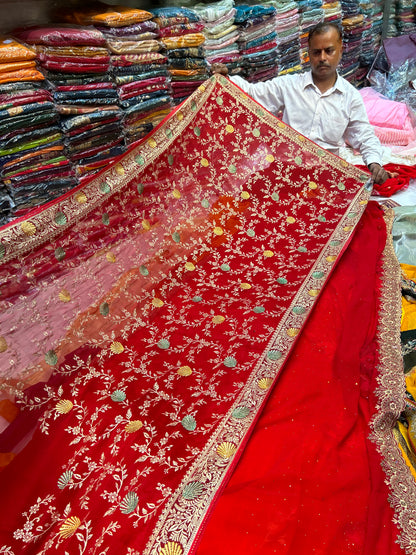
(320, 104)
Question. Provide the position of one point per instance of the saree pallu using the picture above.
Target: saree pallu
(164, 297)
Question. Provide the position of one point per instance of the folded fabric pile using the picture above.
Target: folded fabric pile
(182, 36)
(370, 41)
(34, 168)
(287, 27)
(389, 9)
(257, 41)
(76, 62)
(405, 16)
(391, 120)
(138, 66)
(332, 11)
(310, 14)
(353, 27)
(221, 34)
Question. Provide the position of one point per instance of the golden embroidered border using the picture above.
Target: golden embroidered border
(391, 398)
(179, 524)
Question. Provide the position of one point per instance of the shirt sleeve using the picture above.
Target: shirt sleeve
(360, 134)
(268, 93)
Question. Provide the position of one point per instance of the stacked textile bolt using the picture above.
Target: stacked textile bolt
(34, 168)
(75, 61)
(332, 11)
(287, 26)
(181, 35)
(405, 16)
(257, 41)
(311, 13)
(221, 35)
(371, 34)
(353, 27)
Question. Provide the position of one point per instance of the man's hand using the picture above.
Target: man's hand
(378, 173)
(219, 68)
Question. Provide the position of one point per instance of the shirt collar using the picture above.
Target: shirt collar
(339, 83)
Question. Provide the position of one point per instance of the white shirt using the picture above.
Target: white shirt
(330, 119)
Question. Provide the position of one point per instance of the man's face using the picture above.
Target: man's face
(325, 52)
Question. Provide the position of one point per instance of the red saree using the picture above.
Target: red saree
(147, 315)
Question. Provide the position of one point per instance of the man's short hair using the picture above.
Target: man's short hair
(324, 27)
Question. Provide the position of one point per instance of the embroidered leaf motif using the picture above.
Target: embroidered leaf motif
(64, 406)
(118, 396)
(264, 383)
(226, 449)
(240, 412)
(230, 362)
(171, 548)
(258, 309)
(60, 218)
(69, 527)
(192, 490)
(59, 253)
(64, 479)
(189, 423)
(163, 344)
(51, 358)
(274, 355)
(282, 280)
(129, 502)
(104, 309)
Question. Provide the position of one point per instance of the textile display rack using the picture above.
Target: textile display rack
(221, 305)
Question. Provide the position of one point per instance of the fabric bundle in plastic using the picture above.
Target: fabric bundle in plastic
(310, 13)
(353, 27)
(76, 62)
(257, 41)
(34, 167)
(221, 34)
(287, 27)
(181, 32)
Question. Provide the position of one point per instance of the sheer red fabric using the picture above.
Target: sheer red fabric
(146, 315)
